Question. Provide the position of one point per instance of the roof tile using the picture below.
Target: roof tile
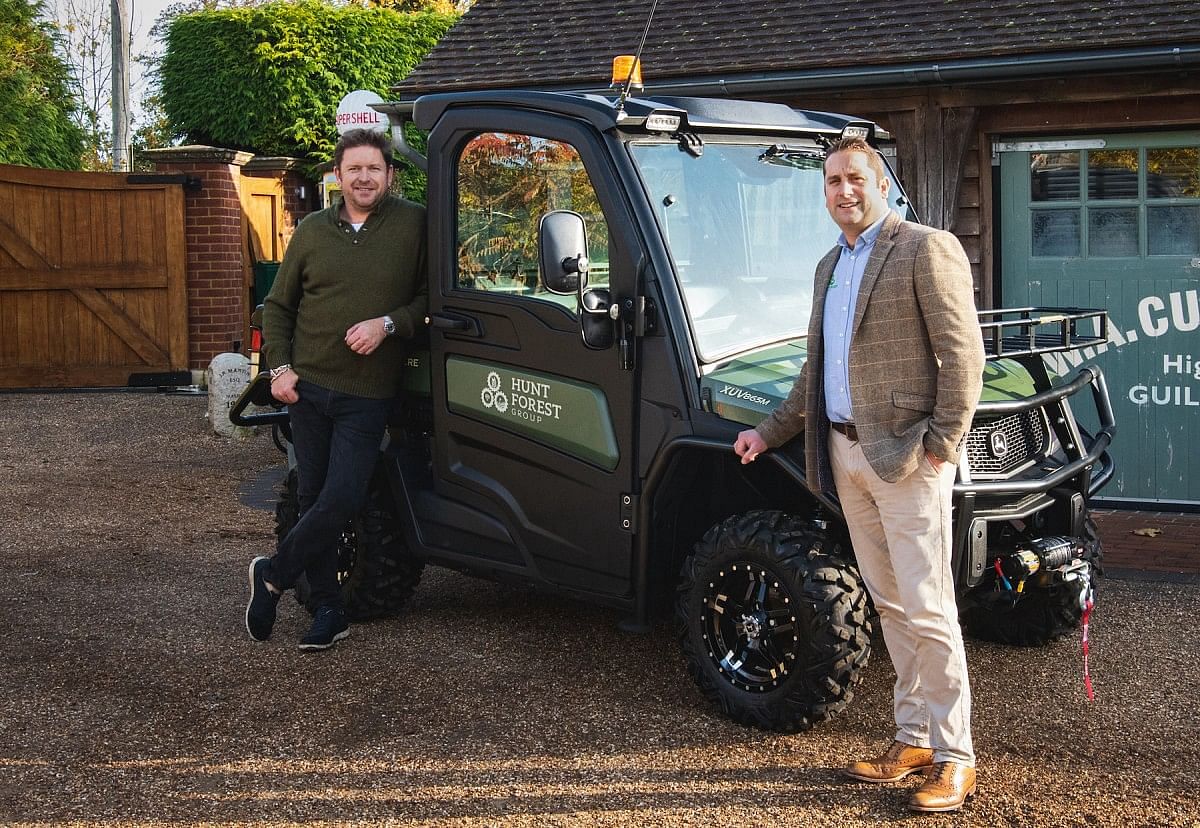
(571, 42)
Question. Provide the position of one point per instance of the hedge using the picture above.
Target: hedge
(267, 79)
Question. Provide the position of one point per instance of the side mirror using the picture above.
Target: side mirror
(562, 251)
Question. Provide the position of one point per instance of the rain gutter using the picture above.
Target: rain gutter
(969, 70)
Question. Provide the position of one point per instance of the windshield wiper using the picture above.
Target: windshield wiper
(802, 158)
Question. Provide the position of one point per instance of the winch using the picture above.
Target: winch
(1052, 554)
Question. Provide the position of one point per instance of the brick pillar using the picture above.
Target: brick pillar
(215, 229)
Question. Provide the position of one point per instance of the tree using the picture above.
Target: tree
(153, 127)
(85, 28)
(37, 112)
(154, 131)
(439, 6)
(505, 182)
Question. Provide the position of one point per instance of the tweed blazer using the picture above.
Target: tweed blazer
(916, 357)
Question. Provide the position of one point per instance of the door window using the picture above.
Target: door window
(506, 183)
(1137, 201)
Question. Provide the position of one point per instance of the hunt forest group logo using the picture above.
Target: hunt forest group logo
(525, 399)
(492, 396)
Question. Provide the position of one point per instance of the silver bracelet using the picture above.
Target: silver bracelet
(276, 373)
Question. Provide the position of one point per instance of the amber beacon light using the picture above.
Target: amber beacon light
(622, 64)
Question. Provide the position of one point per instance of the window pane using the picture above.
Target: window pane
(1173, 173)
(1173, 231)
(1113, 174)
(1056, 233)
(1113, 232)
(506, 183)
(1054, 176)
(746, 226)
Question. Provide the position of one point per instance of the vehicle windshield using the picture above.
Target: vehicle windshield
(746, 225)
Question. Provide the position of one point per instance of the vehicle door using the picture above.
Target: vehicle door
(534, 429)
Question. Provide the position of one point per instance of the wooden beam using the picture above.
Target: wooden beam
(903, 126)
(120, 324)
(73, 180)
(958, 129)
(175, 256)
(72, 376)
(108, 277)
(22, 251)
(1049, 117)
(987, 223)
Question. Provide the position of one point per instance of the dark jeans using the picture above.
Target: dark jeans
(336, 438)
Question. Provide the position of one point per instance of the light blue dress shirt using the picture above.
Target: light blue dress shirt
(838, 320)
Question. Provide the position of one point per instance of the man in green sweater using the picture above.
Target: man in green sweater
(350, 290)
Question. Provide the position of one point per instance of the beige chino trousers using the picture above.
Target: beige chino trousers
(901, 537)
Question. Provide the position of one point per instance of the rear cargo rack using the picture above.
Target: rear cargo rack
(1014, 332)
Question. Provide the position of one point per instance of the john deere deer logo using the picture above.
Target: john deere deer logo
(998, 443)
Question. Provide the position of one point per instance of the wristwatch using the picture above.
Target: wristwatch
(389, 327)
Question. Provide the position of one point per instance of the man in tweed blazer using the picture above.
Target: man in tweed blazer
(894, 371)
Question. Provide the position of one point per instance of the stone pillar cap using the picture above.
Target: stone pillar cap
(197, 154)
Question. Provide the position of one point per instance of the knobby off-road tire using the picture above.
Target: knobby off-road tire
(1043, 614)
(773, 622)
(375, 569)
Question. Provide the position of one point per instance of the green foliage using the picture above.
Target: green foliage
(153, 132)
(444, 6)
(506, 183)
(413, 181)
(268, 79)
(36, 109)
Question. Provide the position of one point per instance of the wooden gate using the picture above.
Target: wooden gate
(92, 279)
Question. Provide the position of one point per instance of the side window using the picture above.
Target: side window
(506, 183)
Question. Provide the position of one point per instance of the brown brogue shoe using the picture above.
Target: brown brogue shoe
(896, 763)
(946, 788)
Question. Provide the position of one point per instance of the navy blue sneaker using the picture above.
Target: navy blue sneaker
(329, 627)
(260, 611)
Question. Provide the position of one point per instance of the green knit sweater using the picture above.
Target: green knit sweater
(333, 277)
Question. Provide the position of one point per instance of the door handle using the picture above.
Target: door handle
(455, 323)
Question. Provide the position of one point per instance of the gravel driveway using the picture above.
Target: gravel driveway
(131, 694)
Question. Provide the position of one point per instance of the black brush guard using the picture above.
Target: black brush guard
(1057, 487)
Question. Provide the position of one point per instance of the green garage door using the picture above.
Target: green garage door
(1113, 222)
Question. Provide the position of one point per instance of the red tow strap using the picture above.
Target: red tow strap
(1087, 675)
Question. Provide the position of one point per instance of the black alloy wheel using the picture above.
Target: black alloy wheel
(773, 621)
(750, 624)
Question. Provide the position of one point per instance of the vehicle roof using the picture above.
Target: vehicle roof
(700, 114)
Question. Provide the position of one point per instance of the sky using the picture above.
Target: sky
(143, 13)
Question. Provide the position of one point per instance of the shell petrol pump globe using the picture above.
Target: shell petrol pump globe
(354, 112)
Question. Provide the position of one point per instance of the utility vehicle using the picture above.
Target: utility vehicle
(617, 287)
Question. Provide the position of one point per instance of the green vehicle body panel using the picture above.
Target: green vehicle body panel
(570, 416)
(1006, 379)
(748, 388)
(416, 378)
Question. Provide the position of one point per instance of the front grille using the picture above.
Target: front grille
(997, 446)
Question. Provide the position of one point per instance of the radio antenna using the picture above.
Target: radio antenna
(637, 62)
